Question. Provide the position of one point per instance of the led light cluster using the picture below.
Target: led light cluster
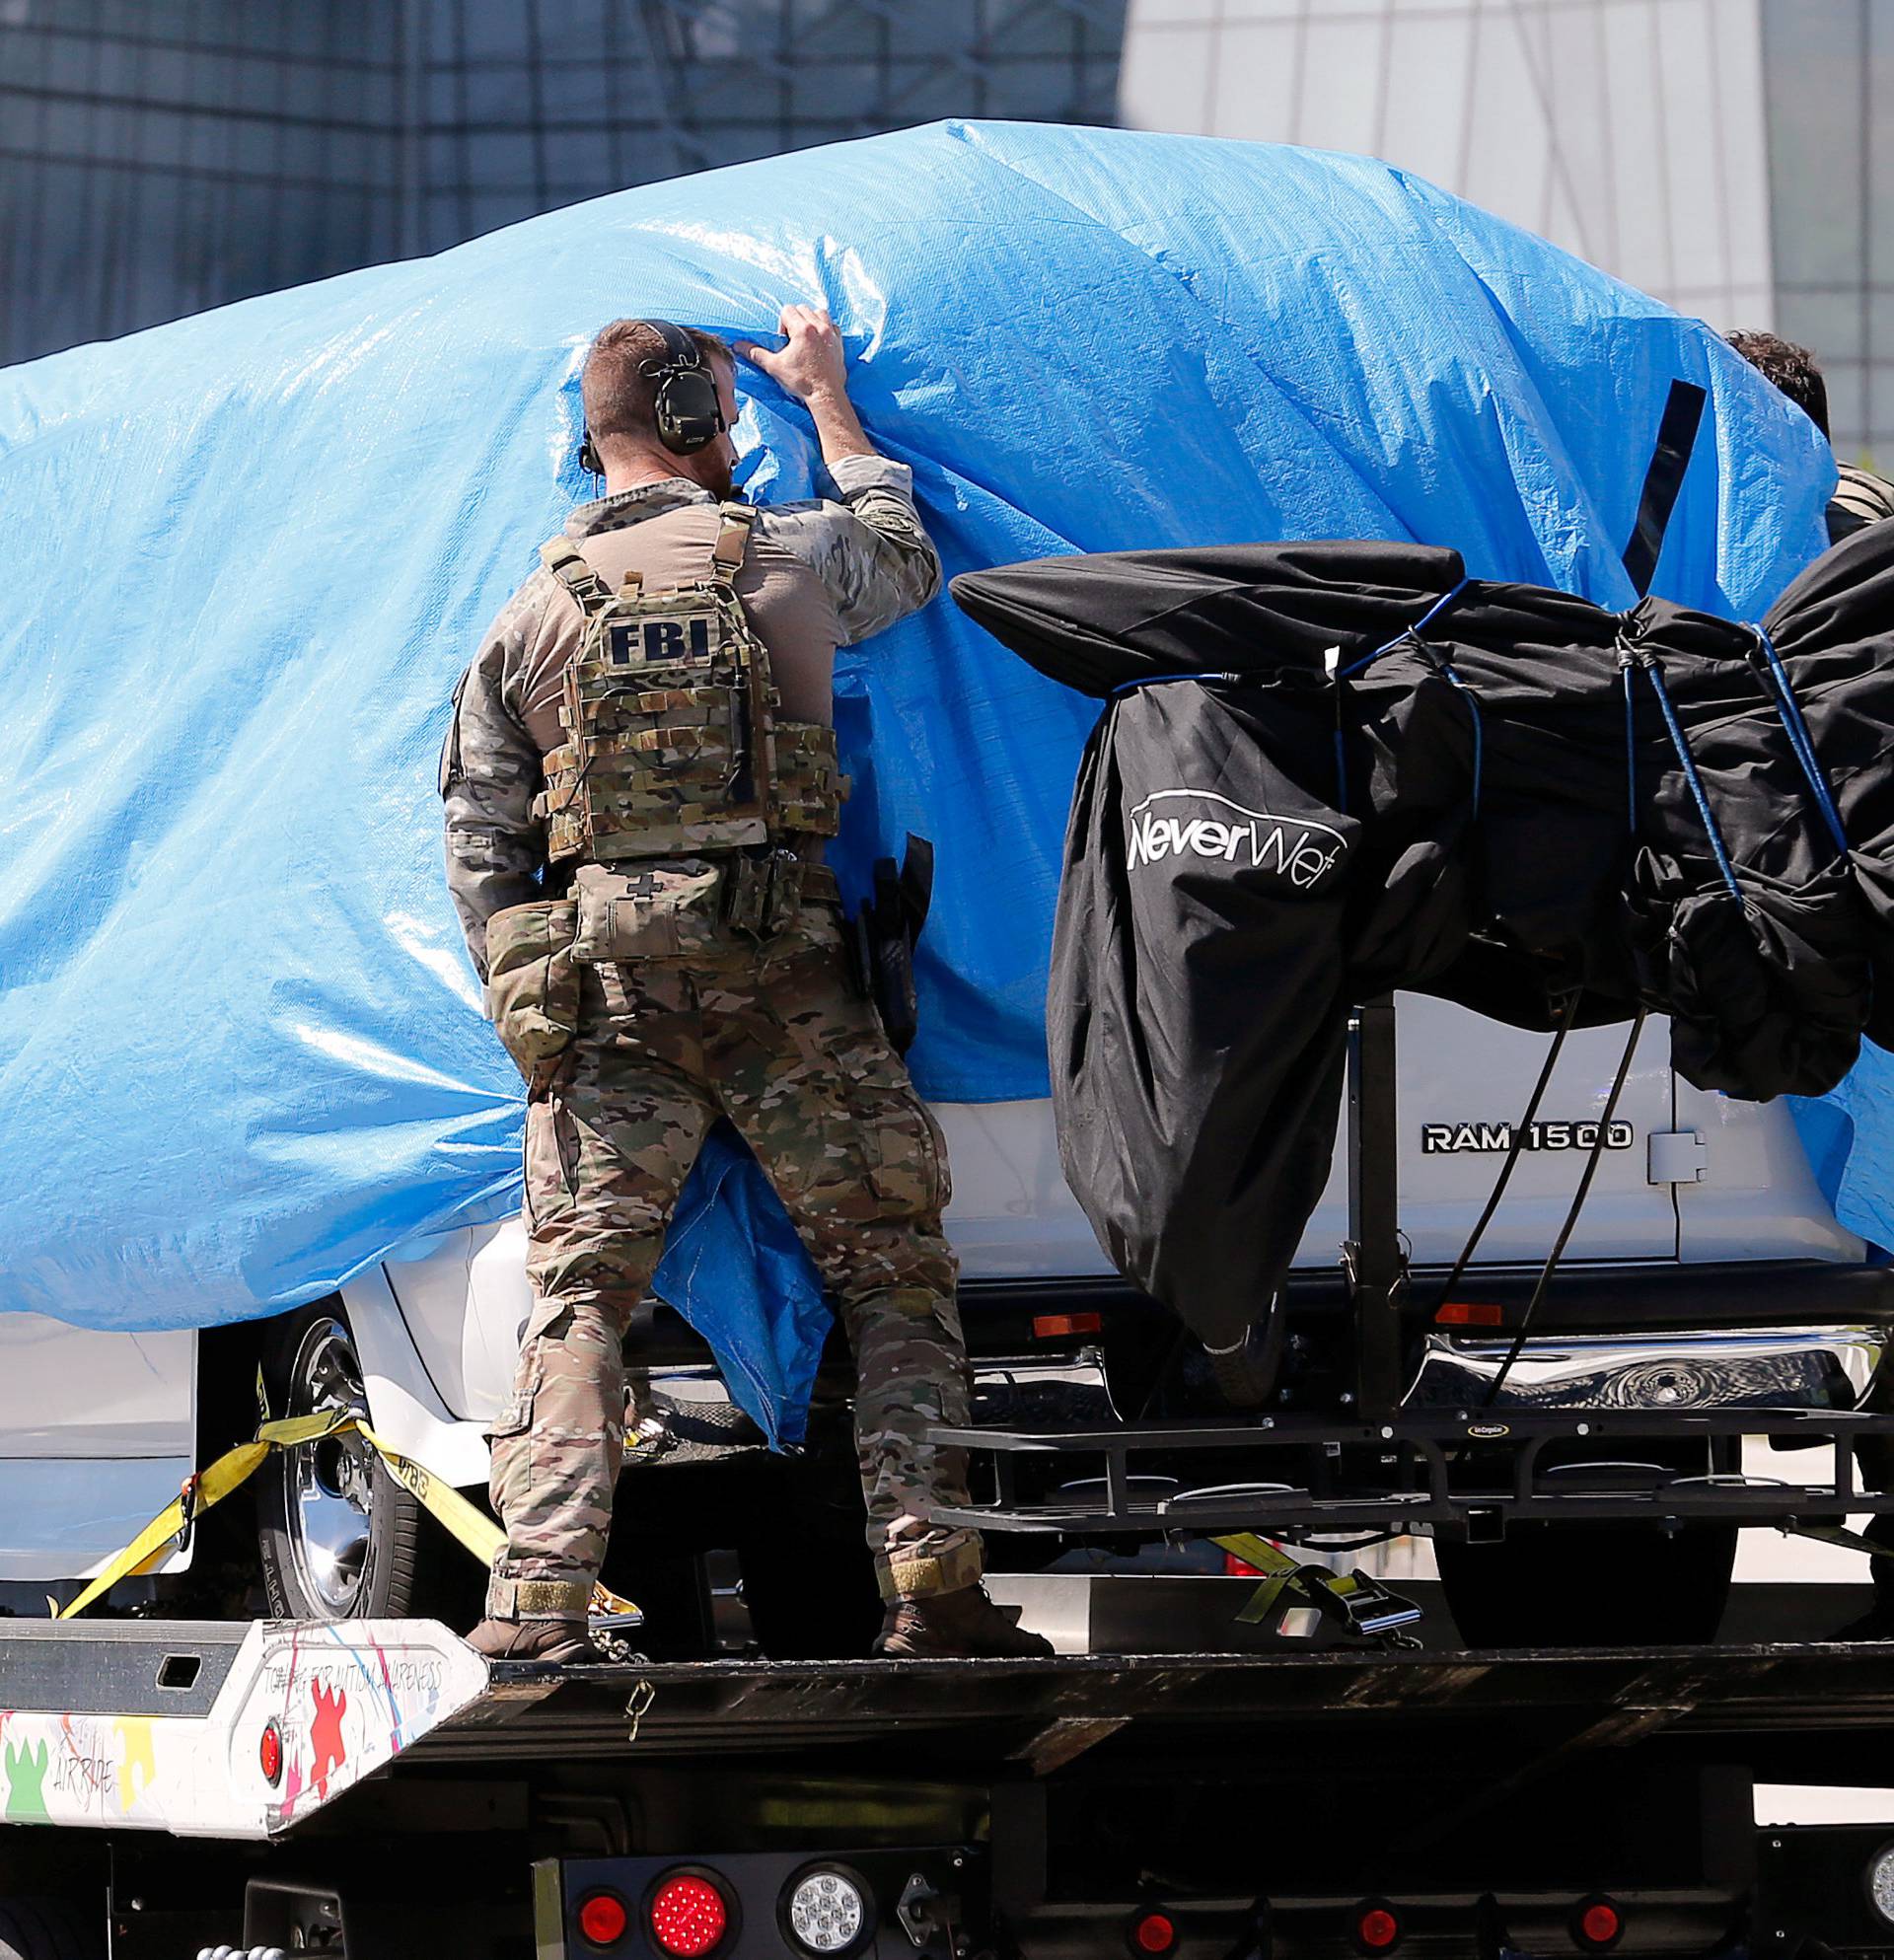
(826, 1912)
(1880, 1883)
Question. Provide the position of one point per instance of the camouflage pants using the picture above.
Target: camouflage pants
(776, 1039)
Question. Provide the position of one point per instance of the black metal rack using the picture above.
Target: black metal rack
(1379, 1469)
(1372, 1257)
(1466, 1473)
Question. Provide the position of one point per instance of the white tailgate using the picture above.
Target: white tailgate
(1464, 1083)
(1462, 1077)
(1756, 1197)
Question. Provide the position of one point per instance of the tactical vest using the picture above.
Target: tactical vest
(674, 743)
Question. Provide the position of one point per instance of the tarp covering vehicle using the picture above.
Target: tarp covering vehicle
(248, 555)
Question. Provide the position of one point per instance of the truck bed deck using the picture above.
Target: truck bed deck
(163, 1724)
(761, 1705)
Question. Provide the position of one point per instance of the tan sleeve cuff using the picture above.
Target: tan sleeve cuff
(852, 475)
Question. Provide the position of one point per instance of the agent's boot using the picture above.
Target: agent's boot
(961, 1625)
(558, 1640)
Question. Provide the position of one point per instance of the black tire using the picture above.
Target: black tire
(1589, 1586)
(42, 1929)
(337, 1538)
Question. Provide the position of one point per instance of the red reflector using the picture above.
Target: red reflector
(688, 1916)
(1238, 1569)
(1377, 1930)
(1050, 1326)
(1600, 1923)
(603, 1919)
(1154, 1933)
(1470, 1313)
(270, 1752)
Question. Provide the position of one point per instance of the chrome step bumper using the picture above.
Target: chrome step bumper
(1791, 1368)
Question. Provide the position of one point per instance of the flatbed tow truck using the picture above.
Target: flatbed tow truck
(370, 1789)
(379, 1789)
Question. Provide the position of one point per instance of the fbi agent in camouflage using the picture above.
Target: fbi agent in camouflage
(638, 780)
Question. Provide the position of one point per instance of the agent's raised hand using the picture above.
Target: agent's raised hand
(811, 365)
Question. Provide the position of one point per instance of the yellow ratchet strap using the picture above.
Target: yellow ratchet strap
(465, 1521)
(1358, 1604)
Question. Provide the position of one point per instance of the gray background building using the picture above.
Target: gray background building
(1733, 156)
(162, 156)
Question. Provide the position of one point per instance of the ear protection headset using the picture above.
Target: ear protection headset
(686, 410)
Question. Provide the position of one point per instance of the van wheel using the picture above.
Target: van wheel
(338, 1538)
(1589, 1586)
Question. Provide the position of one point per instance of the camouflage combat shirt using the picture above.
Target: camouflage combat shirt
(1860, 498)
(817, 574)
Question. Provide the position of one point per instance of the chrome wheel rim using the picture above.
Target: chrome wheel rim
(330, 1485)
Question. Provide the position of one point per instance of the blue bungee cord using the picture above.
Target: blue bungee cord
(1479, 727)
(1162, 680)
(1412, 633)
(1796, 729)
(1647, 663)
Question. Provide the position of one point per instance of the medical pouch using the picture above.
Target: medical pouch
(655, 911)
(532, 982)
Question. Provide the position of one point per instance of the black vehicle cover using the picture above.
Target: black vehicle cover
(1329, 770)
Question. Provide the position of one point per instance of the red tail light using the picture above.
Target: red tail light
(688, 1916)
(270, 1752)
(1377, 1927)
(603, 1919)
(1153, 1934)
(1597, 1923)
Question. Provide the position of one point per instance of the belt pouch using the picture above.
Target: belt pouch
(531, 985)
(762, 893)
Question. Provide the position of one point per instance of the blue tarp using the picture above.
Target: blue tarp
(1850, 1139)
(245, 557)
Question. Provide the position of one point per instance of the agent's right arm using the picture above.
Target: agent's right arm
(870, 549)
(490, 772)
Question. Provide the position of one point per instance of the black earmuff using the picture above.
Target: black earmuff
(687, 412)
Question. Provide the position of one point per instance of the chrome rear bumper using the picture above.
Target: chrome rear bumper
(1791, 1368)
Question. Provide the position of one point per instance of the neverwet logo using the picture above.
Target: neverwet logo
(1198, 823)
